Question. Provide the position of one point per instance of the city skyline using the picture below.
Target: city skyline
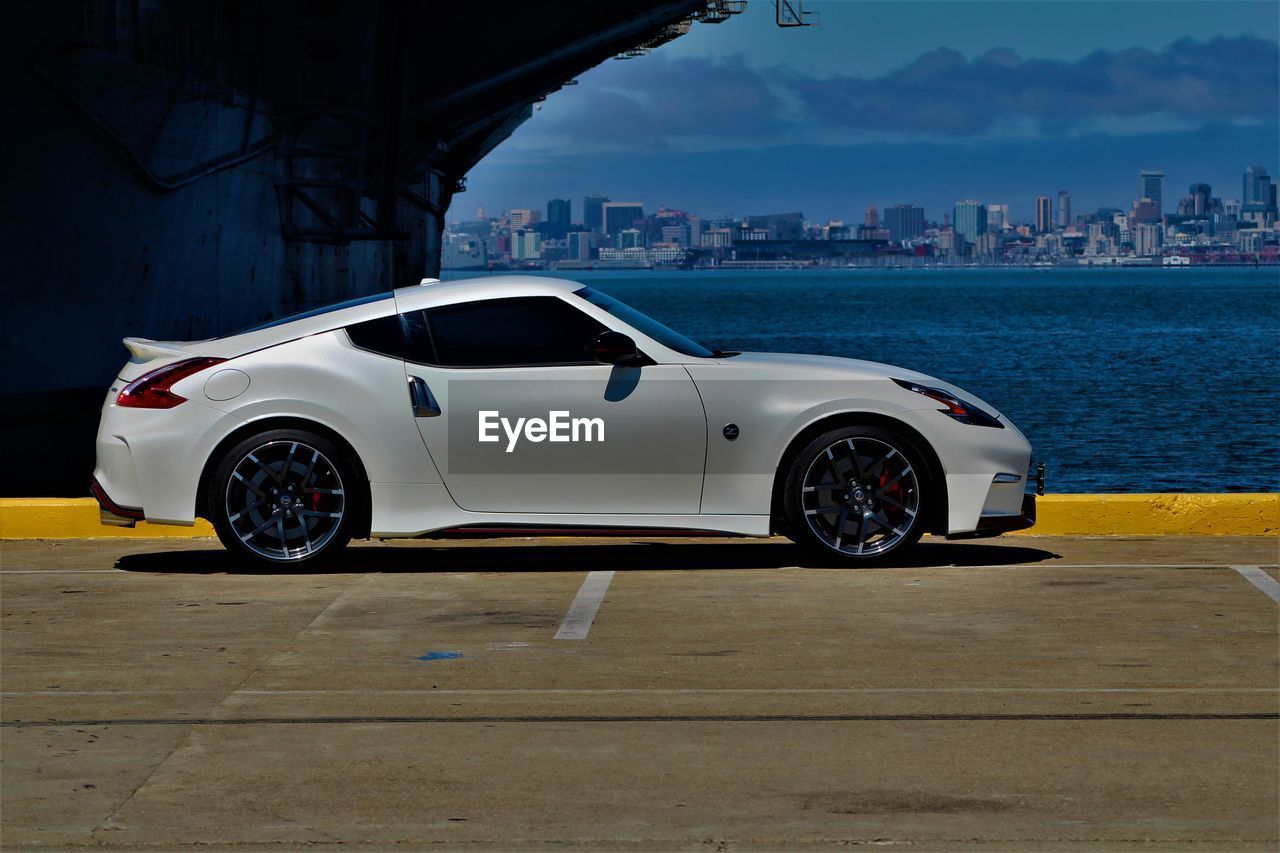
(1211, 228)
(1061, 202)
(947, 108)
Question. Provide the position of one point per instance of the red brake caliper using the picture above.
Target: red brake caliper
(895, 491)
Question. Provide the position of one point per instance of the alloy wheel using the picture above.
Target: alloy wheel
(285, 500)
(860, 496)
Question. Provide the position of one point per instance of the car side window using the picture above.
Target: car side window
(384, 336)
(524, 331)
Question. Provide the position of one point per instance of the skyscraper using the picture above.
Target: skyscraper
(1064, 209)
(1044, 214)
(1201, 198)
(621, 214)
(1146, 240)
(1151, 185)
(558, 216)
(1257, 186)
(525, 245)
(904, 221)
(873, 217)
(593, 212)
(971, 219)
(580, 245)
(997, 217)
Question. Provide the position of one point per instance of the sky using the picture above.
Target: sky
(910, 101)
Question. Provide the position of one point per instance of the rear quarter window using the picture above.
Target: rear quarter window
(384, 336)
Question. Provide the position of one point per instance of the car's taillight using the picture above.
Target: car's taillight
(152, 390)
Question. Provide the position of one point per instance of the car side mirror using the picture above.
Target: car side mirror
(611, 347)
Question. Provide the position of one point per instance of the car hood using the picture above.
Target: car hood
(785, 365)
(813, 366)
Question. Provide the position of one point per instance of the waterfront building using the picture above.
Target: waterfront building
(621, 214)
(629, 238)
(904, 222)
(641, 256)
(970, 220)
(526, 245)
(948, 242)
(1147, 240)
(579, 248)
(1044, 214)
(1049, 244)
(714, 238)
(989, 245)
(1151, 186)
(558, 218)
(1064, 209)
(464, 251)
(779, 226)
(676, 234)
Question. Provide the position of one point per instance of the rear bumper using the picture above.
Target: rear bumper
(994, 525)
(110, 512)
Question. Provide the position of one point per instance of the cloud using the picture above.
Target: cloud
(653, 102)
(698, 103)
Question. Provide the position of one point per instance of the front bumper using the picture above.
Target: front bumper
(989, 526)
(994, 525)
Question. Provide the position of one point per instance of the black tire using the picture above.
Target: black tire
(286, 497)
(844, 518)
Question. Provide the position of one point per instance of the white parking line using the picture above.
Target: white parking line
(577, 622)
(1263, 581)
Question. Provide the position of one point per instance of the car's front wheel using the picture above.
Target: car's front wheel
(855, 494)
(285, 497)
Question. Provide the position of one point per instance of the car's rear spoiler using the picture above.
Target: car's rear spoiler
(143, 349)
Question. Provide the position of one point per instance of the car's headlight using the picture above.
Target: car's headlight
(965, 413)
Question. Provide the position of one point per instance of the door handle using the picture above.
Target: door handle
(421, 400)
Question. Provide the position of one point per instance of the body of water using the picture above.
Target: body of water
(1124, 380)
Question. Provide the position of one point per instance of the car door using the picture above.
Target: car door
(520, 419)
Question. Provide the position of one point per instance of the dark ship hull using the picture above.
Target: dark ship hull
(183, 168)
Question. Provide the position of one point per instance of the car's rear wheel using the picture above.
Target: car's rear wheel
(285, 497)
(856, 495)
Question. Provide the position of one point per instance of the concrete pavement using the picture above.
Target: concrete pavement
(1044, 693)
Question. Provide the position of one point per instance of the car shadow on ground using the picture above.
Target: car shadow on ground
(622, 555)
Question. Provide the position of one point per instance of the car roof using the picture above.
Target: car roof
(431, 292)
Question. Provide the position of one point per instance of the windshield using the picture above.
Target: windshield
(646, 324)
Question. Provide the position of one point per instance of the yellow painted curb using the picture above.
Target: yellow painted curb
(77, 518)
(1057, 515)
(1157, 515)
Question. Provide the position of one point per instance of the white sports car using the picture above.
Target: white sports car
(539, 405)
